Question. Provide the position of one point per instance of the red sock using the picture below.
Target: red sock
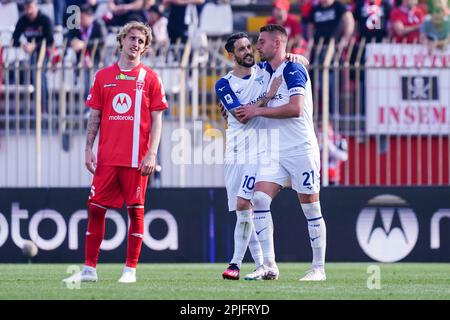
(135, 235)
(95, 233)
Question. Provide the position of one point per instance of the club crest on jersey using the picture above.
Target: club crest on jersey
(121, 103)
(140, 85)
(124, 77)
(260, 80)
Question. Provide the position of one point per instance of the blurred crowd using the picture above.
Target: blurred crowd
(85, 24)
(407, 21)
(402, 21)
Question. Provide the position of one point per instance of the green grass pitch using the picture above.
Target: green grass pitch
(203, 281)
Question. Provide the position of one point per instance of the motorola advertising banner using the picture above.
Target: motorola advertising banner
(407, 89)
(193, 225)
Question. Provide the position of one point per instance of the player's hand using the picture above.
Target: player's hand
(274, 87)
(245, 113)
(223, 111)
(148, 164)
(90, 161)
(297, 58)
(29, 47)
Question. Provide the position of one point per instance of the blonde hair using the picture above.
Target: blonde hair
(145, 29)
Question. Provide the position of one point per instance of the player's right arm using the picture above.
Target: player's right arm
(94, 101)
(92, 130)
(227, 96)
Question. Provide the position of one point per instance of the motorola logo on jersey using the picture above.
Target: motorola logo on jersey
(387, 229)
(121, 103)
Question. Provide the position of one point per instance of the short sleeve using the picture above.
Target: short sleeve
(94, 98)
(158, 99)
(295, 77)
(226, 95)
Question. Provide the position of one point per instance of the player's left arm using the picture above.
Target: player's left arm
(295, 77)
(148, 164)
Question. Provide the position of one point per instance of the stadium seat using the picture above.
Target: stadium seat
(255, 23)
(216, 19)
(9, 15)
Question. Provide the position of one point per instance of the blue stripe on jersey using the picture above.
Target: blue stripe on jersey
(268, 68)
(226, 95)
(313, 219)
(295, 77)
(262, 65)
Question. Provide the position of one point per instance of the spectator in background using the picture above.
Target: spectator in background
(158, 23)
(372, 17)
(35, 27)
(305, 12)
(124, 11)
(406, 20)
(84, 38)
(435, 30)
(331, 19)
(281, 16)
(337, 153)
(59, 6)
(178, 22)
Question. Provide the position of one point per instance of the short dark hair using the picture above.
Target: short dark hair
(274, 28)
(229, 45)
(87, 9)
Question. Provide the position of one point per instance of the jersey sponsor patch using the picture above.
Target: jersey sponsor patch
(109, 85)
(124, 77)
(121, 103)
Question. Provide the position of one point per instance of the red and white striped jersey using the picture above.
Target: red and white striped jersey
(126, 99)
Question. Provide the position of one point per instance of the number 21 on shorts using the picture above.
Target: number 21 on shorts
(309, 177)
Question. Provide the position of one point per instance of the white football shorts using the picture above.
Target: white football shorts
(303, 171)
(240, 181)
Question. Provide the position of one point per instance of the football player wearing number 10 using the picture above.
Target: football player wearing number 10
(298, 150)
(127, 100)
(245, 85)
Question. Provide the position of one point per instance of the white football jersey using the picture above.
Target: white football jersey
(234, 92)
(296, 135)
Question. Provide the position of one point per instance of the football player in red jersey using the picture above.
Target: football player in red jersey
(127, 100)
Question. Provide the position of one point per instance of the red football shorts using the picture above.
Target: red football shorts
(112, 186)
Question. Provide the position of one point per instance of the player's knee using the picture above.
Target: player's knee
(312, 210)
(244, 216)
(261, 201)
(243, 204)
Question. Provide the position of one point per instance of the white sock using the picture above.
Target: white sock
(262, 220)
(133, 270)
(255, 249)
(242, 233)
(317, 232)
(89, 269)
